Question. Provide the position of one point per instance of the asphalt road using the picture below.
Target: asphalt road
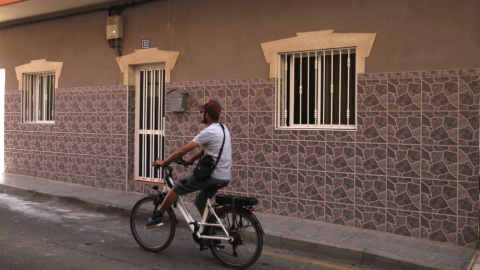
(38, 234)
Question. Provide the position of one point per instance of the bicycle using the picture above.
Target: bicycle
(232, 233)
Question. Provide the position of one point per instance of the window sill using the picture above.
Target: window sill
(335, 128)
(39, 123)
(146, 182)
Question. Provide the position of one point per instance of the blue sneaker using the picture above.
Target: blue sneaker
(155, 220)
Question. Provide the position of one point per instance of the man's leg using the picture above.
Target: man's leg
(183, 186)
(201, 200)
(169, 200)
(156, 218)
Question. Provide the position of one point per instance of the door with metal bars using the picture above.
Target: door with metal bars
(316, 89)
(149, 121)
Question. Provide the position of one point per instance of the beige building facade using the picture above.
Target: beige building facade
(404, 76)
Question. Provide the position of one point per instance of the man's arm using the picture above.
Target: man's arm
(192, 160)
(182, 151)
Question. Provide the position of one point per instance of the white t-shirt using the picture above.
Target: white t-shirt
(210, 139)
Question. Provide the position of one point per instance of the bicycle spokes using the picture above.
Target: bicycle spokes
(154, 238)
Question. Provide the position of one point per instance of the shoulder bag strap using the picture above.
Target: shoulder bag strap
(221, 149)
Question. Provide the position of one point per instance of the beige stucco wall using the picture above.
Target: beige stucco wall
(221, 39)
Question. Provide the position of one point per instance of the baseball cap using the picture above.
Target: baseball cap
(212, 107)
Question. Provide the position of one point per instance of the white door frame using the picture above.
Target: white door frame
(149, 128)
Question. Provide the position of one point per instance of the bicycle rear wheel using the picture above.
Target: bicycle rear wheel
(156, 238)
(247, 244)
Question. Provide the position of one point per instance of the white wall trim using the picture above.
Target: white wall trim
(318, 40)
(41, 65)
(128, 62)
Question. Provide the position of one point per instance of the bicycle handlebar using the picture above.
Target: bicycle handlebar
(180, 161)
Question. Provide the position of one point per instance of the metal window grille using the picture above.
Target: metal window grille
(38, 97)
(150, 117)
(316, 89)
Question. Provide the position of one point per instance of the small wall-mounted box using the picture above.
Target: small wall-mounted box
(177, 100)
(114, 27)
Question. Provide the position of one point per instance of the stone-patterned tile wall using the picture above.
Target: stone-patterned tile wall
(432, 153)
(410, 168)
(87, 144)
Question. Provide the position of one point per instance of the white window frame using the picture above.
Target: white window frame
(38, 97)
(286, 93)
(38, 67)
(318, 40)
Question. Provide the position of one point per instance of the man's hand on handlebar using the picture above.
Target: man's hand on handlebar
(158, 163)
(161, 163)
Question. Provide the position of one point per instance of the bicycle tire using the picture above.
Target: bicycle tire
(153, 239)
(248, 238)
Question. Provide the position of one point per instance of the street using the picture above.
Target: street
(39, 234)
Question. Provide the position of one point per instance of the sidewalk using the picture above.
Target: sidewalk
(371, 248)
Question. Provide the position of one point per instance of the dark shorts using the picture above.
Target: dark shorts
(189, 184)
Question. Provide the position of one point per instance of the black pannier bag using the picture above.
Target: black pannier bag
(239, 200)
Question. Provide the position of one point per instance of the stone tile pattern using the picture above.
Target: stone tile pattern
(88, 143)
(410, 168)
(432, 155)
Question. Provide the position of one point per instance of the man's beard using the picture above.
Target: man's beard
(204, 120)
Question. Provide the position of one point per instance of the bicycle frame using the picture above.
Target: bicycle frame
(192, 223)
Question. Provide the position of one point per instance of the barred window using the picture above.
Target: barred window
(316, 89)
(38, 97)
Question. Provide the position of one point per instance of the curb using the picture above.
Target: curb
(318, 249)
(475, 263)
(102, 208)
(356, 256)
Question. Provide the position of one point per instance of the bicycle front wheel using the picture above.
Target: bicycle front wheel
(246, 246)
(155, 238)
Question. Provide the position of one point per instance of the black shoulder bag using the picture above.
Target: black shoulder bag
(207, 164)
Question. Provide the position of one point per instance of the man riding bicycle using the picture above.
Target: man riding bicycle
(210, 140)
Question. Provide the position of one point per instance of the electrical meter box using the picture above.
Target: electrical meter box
(114, 27)
(177, 100)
